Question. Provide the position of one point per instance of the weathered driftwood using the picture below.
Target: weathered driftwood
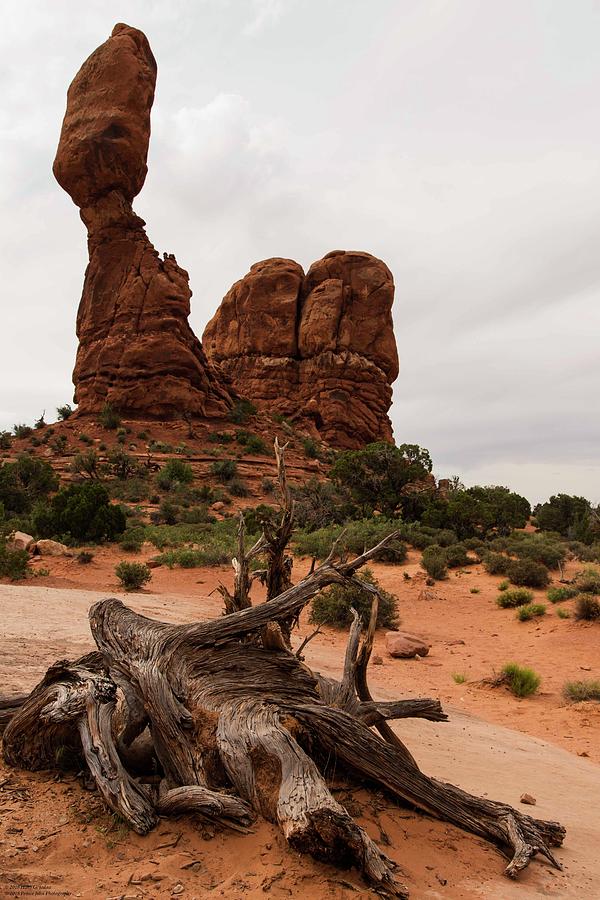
(239, 726)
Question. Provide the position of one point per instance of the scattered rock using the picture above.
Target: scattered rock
(528, 799)
(20, 540)
(402, 645)
(50, 548)
(427, 595)
(153, 563)
(217, 505)
(377, 661)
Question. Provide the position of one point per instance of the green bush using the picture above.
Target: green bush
(82, 511)
(24, 482)
(224, 470)
(583, 552)
(333, 606)
(434, 562)
(558, 594)
(5, 440)
(537, 547)
(241, 412)
(196, 515)
(130, 544)
(311, 448)
(86, 463)
(133, 576)
(516, 597)
(13, 563)
(588, 581)
(252, 442)
(317, 504)
(213, 554)
(520, 680)
(220, 437)
(563, 613)
(109, 418)
(531, 611)
(587, 608)
(528, 572)
(457, 556)
(496, 563)
(578, 691)
(173, 473)
(353, 538)
(63, 412)
(22, 431)
(504, 585)
(237, 487)
(84, 557)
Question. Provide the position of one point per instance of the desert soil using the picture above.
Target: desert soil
(55, 838)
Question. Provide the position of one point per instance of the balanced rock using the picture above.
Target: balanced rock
(318, 347)
(136, 348)
(403, 645)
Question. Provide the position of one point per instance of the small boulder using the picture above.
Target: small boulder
(19, 540)
(402, 645)
(51, 548)
(217, 505)
(528, 799)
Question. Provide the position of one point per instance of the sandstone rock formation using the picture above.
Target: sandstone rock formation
(136, 348)
(402, 645)
(318, 346)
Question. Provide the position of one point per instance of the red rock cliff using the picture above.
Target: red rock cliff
(318, 346)
(136, 348)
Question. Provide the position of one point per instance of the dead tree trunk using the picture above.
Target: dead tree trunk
(239, 726)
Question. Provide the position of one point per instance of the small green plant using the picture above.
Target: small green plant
(578, 691)
(434, 562)
(237, 487)
(530, 611)
(241, 412)
(528, 573)
(130, 544)
(588, 581)
(587, 608)
(513, 598)
(59, 444)
(504, 585)
(475, 590)
(85, 438)
(563, 613)
(41, 422)
(173, 473)
(333, 606)
(457, 556)
(224, 470)
(5, 440)
(110, 418)
(63, 412)
(121, 435)
(13, 563)
(133, 575)
(558, 594)
(84, 557)
(311, 448)
(520, 680)
(22, 431)
(458, 678)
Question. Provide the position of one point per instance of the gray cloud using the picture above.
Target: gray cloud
(458, 141)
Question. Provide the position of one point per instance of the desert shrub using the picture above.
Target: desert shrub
(25, 481)
(220, 437)
(537, 547)
(109, 418)
(5, 440)
(22, 431)
(130, 543)
(474, 590)
(214, 553)
(252, 443)
(82, 511)
(59, 444)
(521, 681)
(311, 448)
(578, 691)
(457, 556)
(63, 412)
(528, 572)
(516, 597)
(196, 515)
(333, 606)
(85, 463)
(131, 490)
(174, 472)
(530, 611)
(356, 536)
(496, 563)
(558, 594)
(587, 608)
(570, 516)
(563, 613)
(84, 557)
(85, 438)
(318, 504)
(434, 562)
(13, 563)
(133, 575)
(123, 466)
(224, 470)
(588, 581)
(238, 488)
(241, 412)
(167, 513)
(504, 585)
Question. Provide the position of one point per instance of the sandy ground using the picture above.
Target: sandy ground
(55, 837)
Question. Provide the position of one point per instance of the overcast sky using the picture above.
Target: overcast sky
(458, 141)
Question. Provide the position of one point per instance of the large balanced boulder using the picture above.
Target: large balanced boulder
(136, 348)
(318, 347)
